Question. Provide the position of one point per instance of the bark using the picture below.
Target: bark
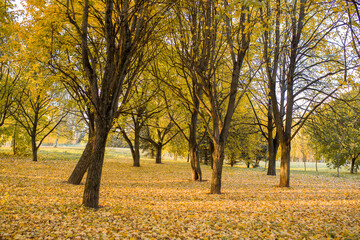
(285, 164)
(218, 157)
(352, 168)
(134, 148)
(34, 148)
(93, 180)
(193, 146)
(195, 164)
(136, 153)
(273, 149)
(83, 164)
(158, 153)
(273, 142)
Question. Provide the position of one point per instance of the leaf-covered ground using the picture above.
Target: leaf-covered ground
(159, 202)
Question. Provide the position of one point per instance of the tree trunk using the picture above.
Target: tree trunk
(211, 154)
(195, 164)
(34, 148)
(352, 168)
(273, 148)
(83, 164)
(136, 154)
(193, 146)
(158, 153)
(285, 164)
(218, 159)
(93, 180)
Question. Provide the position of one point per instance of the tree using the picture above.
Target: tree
(334, 131)
(194, 53)
(159, 130)
(238, 30)
(112, 50)
(9, 70)
(132, 121)
(309, 70)
(38, 112)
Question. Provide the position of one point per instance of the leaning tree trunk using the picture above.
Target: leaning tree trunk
(93, 180)
(158, 153)
(285, 164)
(83, 164)
(218, 160)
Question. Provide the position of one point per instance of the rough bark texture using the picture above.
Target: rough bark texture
(93, 180)
(34, 148)
(136, 154)
(218, 156)
(285, 165)
(158, 153)
(83, 164)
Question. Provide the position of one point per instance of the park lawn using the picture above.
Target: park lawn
(158, 201)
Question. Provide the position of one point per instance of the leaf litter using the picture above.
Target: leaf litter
(160, 202)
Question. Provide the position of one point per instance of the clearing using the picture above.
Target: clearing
(157, 201)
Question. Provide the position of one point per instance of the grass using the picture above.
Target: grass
(160, 202)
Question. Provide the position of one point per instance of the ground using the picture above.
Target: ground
(158, 201)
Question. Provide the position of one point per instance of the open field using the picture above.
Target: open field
(159, 202)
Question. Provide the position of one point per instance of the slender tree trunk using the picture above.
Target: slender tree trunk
(316, 162)
(352, 168)
(136, 155)
(34, 148)
(273, 149)
(285, 164)
(273, 143)
(93, 180)
(158, 153)
(193, 146)
(211, 154)
(83, 164)
(218, 160)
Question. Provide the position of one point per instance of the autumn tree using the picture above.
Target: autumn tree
(10, 70)
(39, 112)
(159, 129)
(113, 36)
(334, 131)
(139, 110)
(193, 54)
(309, 68)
